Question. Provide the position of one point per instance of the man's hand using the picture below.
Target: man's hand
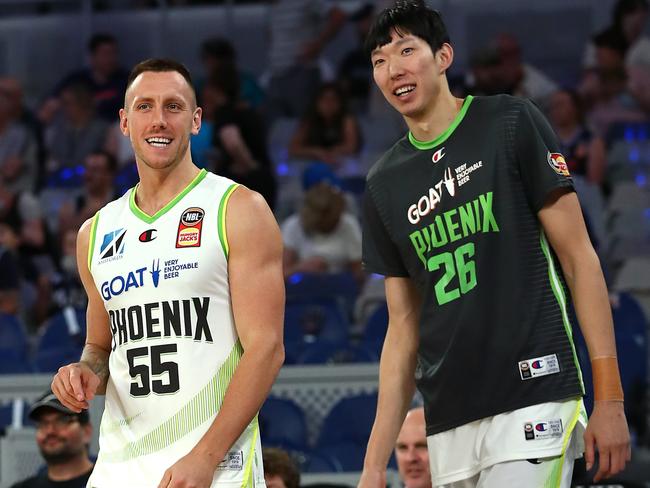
(190, 471)
(607, 431)
(372, 479)
(75, 385)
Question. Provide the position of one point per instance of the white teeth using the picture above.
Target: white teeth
(404, 89)
(158, 141)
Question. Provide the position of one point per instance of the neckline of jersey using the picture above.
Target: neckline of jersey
(150, 219)
(424, 145)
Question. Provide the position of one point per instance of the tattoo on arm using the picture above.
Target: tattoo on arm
(96, 359)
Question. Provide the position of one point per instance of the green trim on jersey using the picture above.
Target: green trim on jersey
(223, 238)
(91, 241)
(424, 145)
(555, 478)
(202, 407)
(150, 219)
(558, 291)
(248, 479)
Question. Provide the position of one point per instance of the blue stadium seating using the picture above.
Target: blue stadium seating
(350, 420)
(307, 321)
(341, 287)
(375, 329)
(282, 424)
(14, 357)
(323, 353)
(57, 346)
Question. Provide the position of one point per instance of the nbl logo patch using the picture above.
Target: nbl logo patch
(558, 163)
(189, 228)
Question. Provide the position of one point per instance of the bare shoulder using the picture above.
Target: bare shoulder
(83, 235)
(249, 220)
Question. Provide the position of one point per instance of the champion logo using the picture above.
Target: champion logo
(148, 235)
(438, 155)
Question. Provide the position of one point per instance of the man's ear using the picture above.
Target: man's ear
(124, 126)
(196, 120)
(445, 57)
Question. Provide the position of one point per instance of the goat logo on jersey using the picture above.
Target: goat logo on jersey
(189, 228)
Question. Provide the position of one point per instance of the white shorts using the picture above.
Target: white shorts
(548, 473)
(550, 432)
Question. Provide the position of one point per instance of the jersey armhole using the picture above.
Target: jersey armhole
(91, 240)
(223, 205)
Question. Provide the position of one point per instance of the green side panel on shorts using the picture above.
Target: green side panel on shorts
(248, 478)
(91, 241)
(223, 205)
(202, 407)
(150, 219)
(558, 291)
(555, 478)
(424, 145)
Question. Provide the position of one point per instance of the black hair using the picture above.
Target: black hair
(407, 17)
(226, 79)
(99, 39)
(111, 162)
(160, 65)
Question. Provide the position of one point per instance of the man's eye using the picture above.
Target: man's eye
(377, 62)
(407, 50)
(143, 106)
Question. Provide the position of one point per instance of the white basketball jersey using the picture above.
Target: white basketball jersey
(164, 282)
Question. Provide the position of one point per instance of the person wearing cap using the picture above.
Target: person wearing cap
(62, 437)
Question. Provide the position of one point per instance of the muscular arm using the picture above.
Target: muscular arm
(396, 377)
(257, 293)
(77, 383)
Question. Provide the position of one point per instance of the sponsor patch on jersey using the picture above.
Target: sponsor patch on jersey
(541, 366)
(148, 235)
(543, 429)
(558, 163)
(189, 228)
(112, 247)
(234, 461)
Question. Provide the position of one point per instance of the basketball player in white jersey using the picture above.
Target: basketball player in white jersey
(185, 307)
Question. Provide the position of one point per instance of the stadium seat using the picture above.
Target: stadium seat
(346, 456)
(307, 321)
(375, 329)
(350, 420)
(341, 287)
(283, 424)
(13, 346)
(323, 353)
(61, 341)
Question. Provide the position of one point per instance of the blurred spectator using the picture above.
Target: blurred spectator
(18, 150)
(411, 452)
(104, 77)
(328, 132)
(75, 135)
(483, 77)
(64, 289)
(239, 137)
(217, 53)
(355, 70)
(605, 88)
(9, 282)
(299, 31)
(628, 22)
(279, 469)
(322, 237)
(98, 190)
(63, 437)
(518, 77)
(21, 114)
(583, 151)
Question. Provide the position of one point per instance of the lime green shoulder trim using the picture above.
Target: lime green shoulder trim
(223, 238)
(91, 240)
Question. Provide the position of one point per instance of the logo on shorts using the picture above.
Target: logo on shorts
(547, 429)
(558, 163)
(112, 245)
(189, 228)
(539, 364)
